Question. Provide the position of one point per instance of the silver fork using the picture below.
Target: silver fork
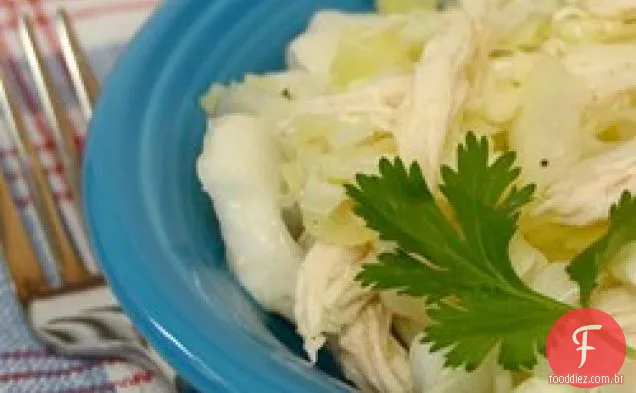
(81, 318)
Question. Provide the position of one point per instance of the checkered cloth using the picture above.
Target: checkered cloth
(104, 27)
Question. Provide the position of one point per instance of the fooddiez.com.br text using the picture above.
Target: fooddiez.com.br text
(586, 379)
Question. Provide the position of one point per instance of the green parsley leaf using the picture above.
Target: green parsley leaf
(587, 266)
(477, 300)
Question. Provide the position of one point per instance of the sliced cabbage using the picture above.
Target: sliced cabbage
(271, 96)
(405, 306)
(354, 47)
(503, 381)
(496, 99)
(514, 67)
(480, 126)
(409, 315)
(620, 303)
(357, 55)
(420, 26)
(321, 197)
(559, 241)
(307, 130)
(407, 330)
(627, 371)
(612, 125)
(625, 9)
(547, 133)
(609, 122)
(290, 85)
(542, 385)
(343, 165)
(526, 260)
(324, 153)
(538, 381)
(430, 375)
(404, 6)
(330, 145)
(350, 133)
(315, 49)
(293, 181)
(494, 102)
(607, 70)
(553, 280)
(210, 100)
(523, 24)
(260, 249)
(576, 26)
(342, 227)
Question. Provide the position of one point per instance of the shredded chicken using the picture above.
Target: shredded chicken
(585, 193)
(371, 357)
(527, 261)
(375, 102)
(440, 88)
(332, 308)
(328, 298)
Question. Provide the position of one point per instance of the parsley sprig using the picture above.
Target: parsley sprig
(586, 268)
(461, 264)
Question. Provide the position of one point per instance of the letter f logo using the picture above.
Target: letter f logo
(583, 344)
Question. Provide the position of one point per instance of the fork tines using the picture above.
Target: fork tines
(83, 79)
(72, 267)
(52, 104)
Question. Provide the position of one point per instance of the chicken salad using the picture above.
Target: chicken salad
(551, 80)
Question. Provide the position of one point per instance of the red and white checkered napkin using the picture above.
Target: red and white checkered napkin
(104, 28)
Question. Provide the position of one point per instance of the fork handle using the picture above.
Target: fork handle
(87, 322)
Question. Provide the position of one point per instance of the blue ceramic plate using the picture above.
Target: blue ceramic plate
(151, 224)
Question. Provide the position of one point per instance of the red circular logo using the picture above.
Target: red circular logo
(586, 348)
